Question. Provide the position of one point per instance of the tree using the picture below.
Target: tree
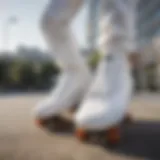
(4, 73)
(27, 75)
(48, 71)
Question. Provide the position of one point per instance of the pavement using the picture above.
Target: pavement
(20, 139)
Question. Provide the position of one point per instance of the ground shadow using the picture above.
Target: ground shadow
(140, 139)
(62, 126)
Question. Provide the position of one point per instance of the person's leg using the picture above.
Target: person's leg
(75, 75)
(107, 101)
(57, 32)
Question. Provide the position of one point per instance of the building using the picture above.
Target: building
(148, 24)
(148, 27)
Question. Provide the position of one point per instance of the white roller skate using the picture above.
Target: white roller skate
(105, 106)
(67, 95)
(76, 77)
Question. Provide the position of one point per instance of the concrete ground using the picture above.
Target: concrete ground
(21, 140)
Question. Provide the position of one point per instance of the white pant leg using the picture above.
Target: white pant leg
(108, 98)
(118, 20)
(75, 73)
(57, 32)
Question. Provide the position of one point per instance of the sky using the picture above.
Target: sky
(26, 31)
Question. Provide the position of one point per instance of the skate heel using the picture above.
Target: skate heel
(113, 136)
(54, 124)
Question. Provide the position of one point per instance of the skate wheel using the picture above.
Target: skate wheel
(81, 135)
(39, 122)
(113, 136)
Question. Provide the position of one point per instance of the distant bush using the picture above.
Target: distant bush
(4, 73)
(47, 72)
(26, 75)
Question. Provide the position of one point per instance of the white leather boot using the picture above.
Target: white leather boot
(75, 76)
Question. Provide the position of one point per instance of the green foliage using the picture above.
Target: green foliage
(94, 59)
(27, 76)
(4, 72)
(46, 74)
(14, 72)
(18, 74)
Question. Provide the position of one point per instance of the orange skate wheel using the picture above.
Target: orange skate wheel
(81, 134)
(39, 122)
(113, 135)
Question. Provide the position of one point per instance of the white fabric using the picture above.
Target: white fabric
(107, 100)
(75, 76)
(58, 34)
(118, 25)
(109, 93)
(68, 92)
